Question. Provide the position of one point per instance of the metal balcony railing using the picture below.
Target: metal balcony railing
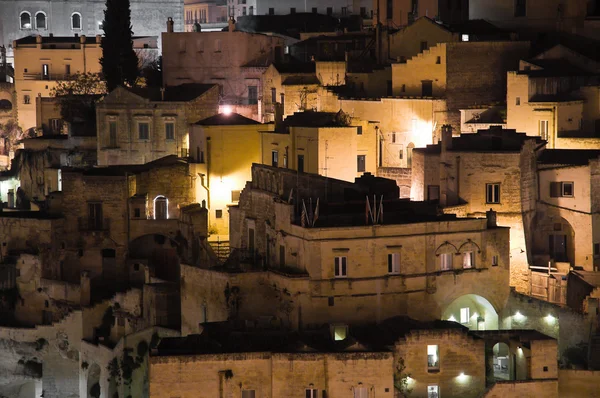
(91, 225)
(48, 76)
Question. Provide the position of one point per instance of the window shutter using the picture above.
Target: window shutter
(390, 263)
(337, 266)
(555, 189)
(344, 266)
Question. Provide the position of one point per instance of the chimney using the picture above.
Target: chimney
(98, 39)
(51, 35)
(278, 115)
(490, 215)
(231, 24)
(38, 39)
(446, 137)
(82, 39)
(162, 93)
(170, 25)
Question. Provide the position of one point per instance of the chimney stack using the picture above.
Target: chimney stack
(490, 215)
(162, 93)
(278, 115)
(170, 25)
(446, 137)
(231, 24)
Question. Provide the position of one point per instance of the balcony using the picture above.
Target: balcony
(48, 77)
(94, 225)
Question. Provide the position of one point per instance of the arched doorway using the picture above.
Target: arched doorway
(503, 362)
(472, 311)
(554, 240)
(161, 208)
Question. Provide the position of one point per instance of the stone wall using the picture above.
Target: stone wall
(402, 176)
(577, 383)
(524, 389)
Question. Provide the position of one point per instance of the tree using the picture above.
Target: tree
(77, 97)
(401, 379)
(119, 62)
(10, 135)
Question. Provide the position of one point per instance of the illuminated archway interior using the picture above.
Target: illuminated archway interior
(472, 311)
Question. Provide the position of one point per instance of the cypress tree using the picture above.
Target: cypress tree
(119, 61)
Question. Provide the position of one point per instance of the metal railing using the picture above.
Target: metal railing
(48, 76)
(88, 224)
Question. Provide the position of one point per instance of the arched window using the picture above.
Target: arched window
(25, 18)
(76, 21)
(40, 20)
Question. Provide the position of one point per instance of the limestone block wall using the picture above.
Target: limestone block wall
(524, 389)
(569, 327)
(402, 176)
(458, 354)
(577, 383)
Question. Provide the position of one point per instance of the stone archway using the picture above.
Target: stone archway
(93, 381)
(472, 311)
(554, 240)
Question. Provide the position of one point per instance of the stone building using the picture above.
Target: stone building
(140, 125)
(335, 8)
(329, 144)
(431, 358)
(203, 12)
(554, 95)
(399, 13)
(234, 60)
(471, 174)
(329, 266)
(463, 73)
(83, 17)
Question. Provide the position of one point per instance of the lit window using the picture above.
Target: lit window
(361, 392)
(394, 263)
(143, 131)
(76, 21)
(465, 37)
(468, 259)
(543, 129)
(274, 158)
(433, 392)
(465, 315)
(433, 359)
(340, 332)
(492, 193)
(446, 261)
(25, 20)
(340, 267)
(562, 189)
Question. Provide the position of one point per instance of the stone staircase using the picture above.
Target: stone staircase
(221, 249)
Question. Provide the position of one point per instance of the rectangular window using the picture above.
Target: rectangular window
(340, 267)
(596, 249)
(465, 315)
(433, 392)
(56, 125)
(45, 71)
(446, 261)
(518, 101)
(400, 152)
(26, 99)
(252, 95)
(423, 46)
(433, 359)
(494, 261)
(390, 9)
(273, 95)
(300, 163)
(359, 130)
(438, 60)
(468, 260)
(314, 10)
(248, 394)
(274, 158)
(219, 213)
(492, 193)
(433, 192)
(543, 129)
(170, 131)
(312, 393)
(562, 189)
(143, 131)
(329, 10)
(293, 10)
(112, 134)
(360, 163)
(344, 10)
(271, 11)
(137, 213)
(67, 69)
(235, 196)
(394, 263)
(393, 138)
(361, 392)
(281, 255)
(520, 8)
(95, 216)
(427, 88)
